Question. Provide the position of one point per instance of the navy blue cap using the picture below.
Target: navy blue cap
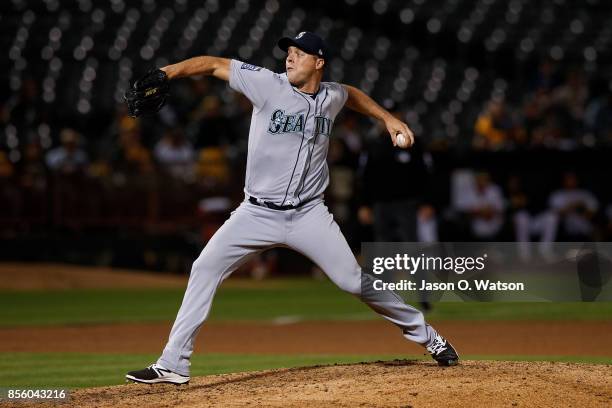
(307, 42)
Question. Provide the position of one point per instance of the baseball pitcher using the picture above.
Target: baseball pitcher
(286, 176)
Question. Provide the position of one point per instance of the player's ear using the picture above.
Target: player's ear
(320, 63)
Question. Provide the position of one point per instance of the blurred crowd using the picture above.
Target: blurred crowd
(183, 169)
(559, 110)
(122, 171)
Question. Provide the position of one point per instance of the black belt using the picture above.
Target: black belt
(273, 206)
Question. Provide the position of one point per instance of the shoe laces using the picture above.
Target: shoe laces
(154, 367)
(438, 346)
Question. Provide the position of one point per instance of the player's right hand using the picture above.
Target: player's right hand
(396, 126)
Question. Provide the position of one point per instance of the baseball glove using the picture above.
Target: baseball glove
(148, 94)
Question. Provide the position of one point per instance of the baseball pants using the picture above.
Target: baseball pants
(310, 230)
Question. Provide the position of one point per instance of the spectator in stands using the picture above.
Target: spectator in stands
(598, 118)
(562, 124)
(572, 95)
(554, 132)
(546, 77)
(208, 125)
(427, 224)
(32, 168)
(9, 195)
(191, 93)
(132, 157)
(608, 228)
(348, 131)
(26, 107)
(213, 172)
(540, 98)
(495, 127)
(342, 166)
(397, 211)
(4, 113)
(134, 176)
(575, 208)
(68, 158)
(176, 155)
(484, 206)
(529, 221)
(535, 107)
(6, 167)
(33, 180)
(238, 113)
(121, 122)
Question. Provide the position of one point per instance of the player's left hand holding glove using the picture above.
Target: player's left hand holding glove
(148, 94)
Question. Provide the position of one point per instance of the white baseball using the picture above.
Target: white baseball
(401, 140)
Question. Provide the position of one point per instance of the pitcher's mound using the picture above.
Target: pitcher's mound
(400, 383)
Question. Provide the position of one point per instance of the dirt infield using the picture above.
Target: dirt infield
(382, 384)
(368, 337)
(16, 276)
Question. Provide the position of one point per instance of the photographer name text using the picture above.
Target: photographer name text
(465, 285)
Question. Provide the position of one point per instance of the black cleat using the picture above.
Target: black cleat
(154, 374)
(443, 352)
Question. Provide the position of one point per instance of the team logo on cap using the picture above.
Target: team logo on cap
(300, 35)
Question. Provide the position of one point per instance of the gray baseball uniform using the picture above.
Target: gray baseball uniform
(286, 166)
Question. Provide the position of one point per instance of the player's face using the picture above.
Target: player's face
(300, 66)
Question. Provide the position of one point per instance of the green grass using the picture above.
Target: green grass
(89, 369)
(76, 370)
(522, 311)
(309, 300)
(304, 299)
